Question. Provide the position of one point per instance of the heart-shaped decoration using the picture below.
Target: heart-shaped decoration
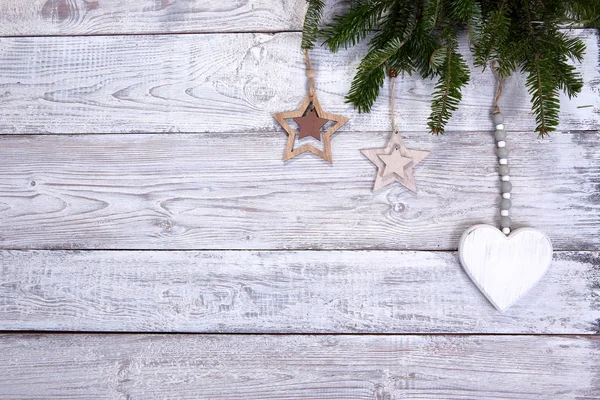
(504, 267)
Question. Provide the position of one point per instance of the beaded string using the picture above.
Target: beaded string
(310, 74)
(502, 152)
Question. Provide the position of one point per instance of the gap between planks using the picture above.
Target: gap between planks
(291, 334)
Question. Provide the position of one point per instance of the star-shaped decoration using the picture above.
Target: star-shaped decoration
(310, 124)
(307, 128)
(392, 164)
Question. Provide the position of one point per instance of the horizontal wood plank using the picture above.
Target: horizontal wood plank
(298, 367)
(230, 83)
(232, 191)
(283, 292)
(110, 17)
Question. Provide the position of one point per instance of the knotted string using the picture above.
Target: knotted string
(395, 129)
(310, 73)
(393, 103)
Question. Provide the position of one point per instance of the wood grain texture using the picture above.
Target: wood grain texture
(187, 192)
(298, 367)
(106, 17)
(230, 83)
(283, 292)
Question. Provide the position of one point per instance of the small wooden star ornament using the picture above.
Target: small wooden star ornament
(310, 119)
(395, 163)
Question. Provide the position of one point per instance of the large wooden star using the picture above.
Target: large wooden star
(390, 159)
(309, 103)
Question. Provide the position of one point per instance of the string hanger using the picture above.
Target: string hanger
(502, 153)
(310, 74)
(393, 74)
(499, 84)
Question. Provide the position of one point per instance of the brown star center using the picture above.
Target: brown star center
(310, 123)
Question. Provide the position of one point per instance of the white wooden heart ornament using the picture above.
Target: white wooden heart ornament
(504, 267)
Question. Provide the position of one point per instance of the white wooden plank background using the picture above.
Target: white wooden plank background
(273, 247)
(229, 83)
(274, 292)
(231, 191)
(298, 367)
(105, 17)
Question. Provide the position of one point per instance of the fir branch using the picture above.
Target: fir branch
(371, 75)
(431, 14)
(420, 36)
(494, 32)
(351, 28)
(454, 74)
(475, 25)
(583, 12)
(544, 95)
(462, 10)
(419, 50)
(561, 43)
(310, 30)
(567, 78)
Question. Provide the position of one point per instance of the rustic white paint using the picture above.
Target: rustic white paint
(186, 192)
(171, 191)
(216, 367)
(231, 83)
(94, 17)
(504, 267)
(283, 291)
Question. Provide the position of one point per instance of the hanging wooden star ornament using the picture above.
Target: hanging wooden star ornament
(395, 162)
(311, 120)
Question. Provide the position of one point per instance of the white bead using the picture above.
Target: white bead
(506, 195)
(503, 161)
(501, 143)
(506, 178)
(504, 213)
(500, 127)
(506, 231)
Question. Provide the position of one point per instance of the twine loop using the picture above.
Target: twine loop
(499, 84)
(395, 128)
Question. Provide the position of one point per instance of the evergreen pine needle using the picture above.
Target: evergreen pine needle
(422, 36)
(310, 30)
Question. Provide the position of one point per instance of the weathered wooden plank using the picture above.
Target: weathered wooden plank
(110, 17)
(298, 367)
(232, 191)
(227, 83)
(283, 292)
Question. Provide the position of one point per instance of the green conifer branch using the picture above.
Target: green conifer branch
(421, 36)
(310, 30)
(371, 75)
(453, 75)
